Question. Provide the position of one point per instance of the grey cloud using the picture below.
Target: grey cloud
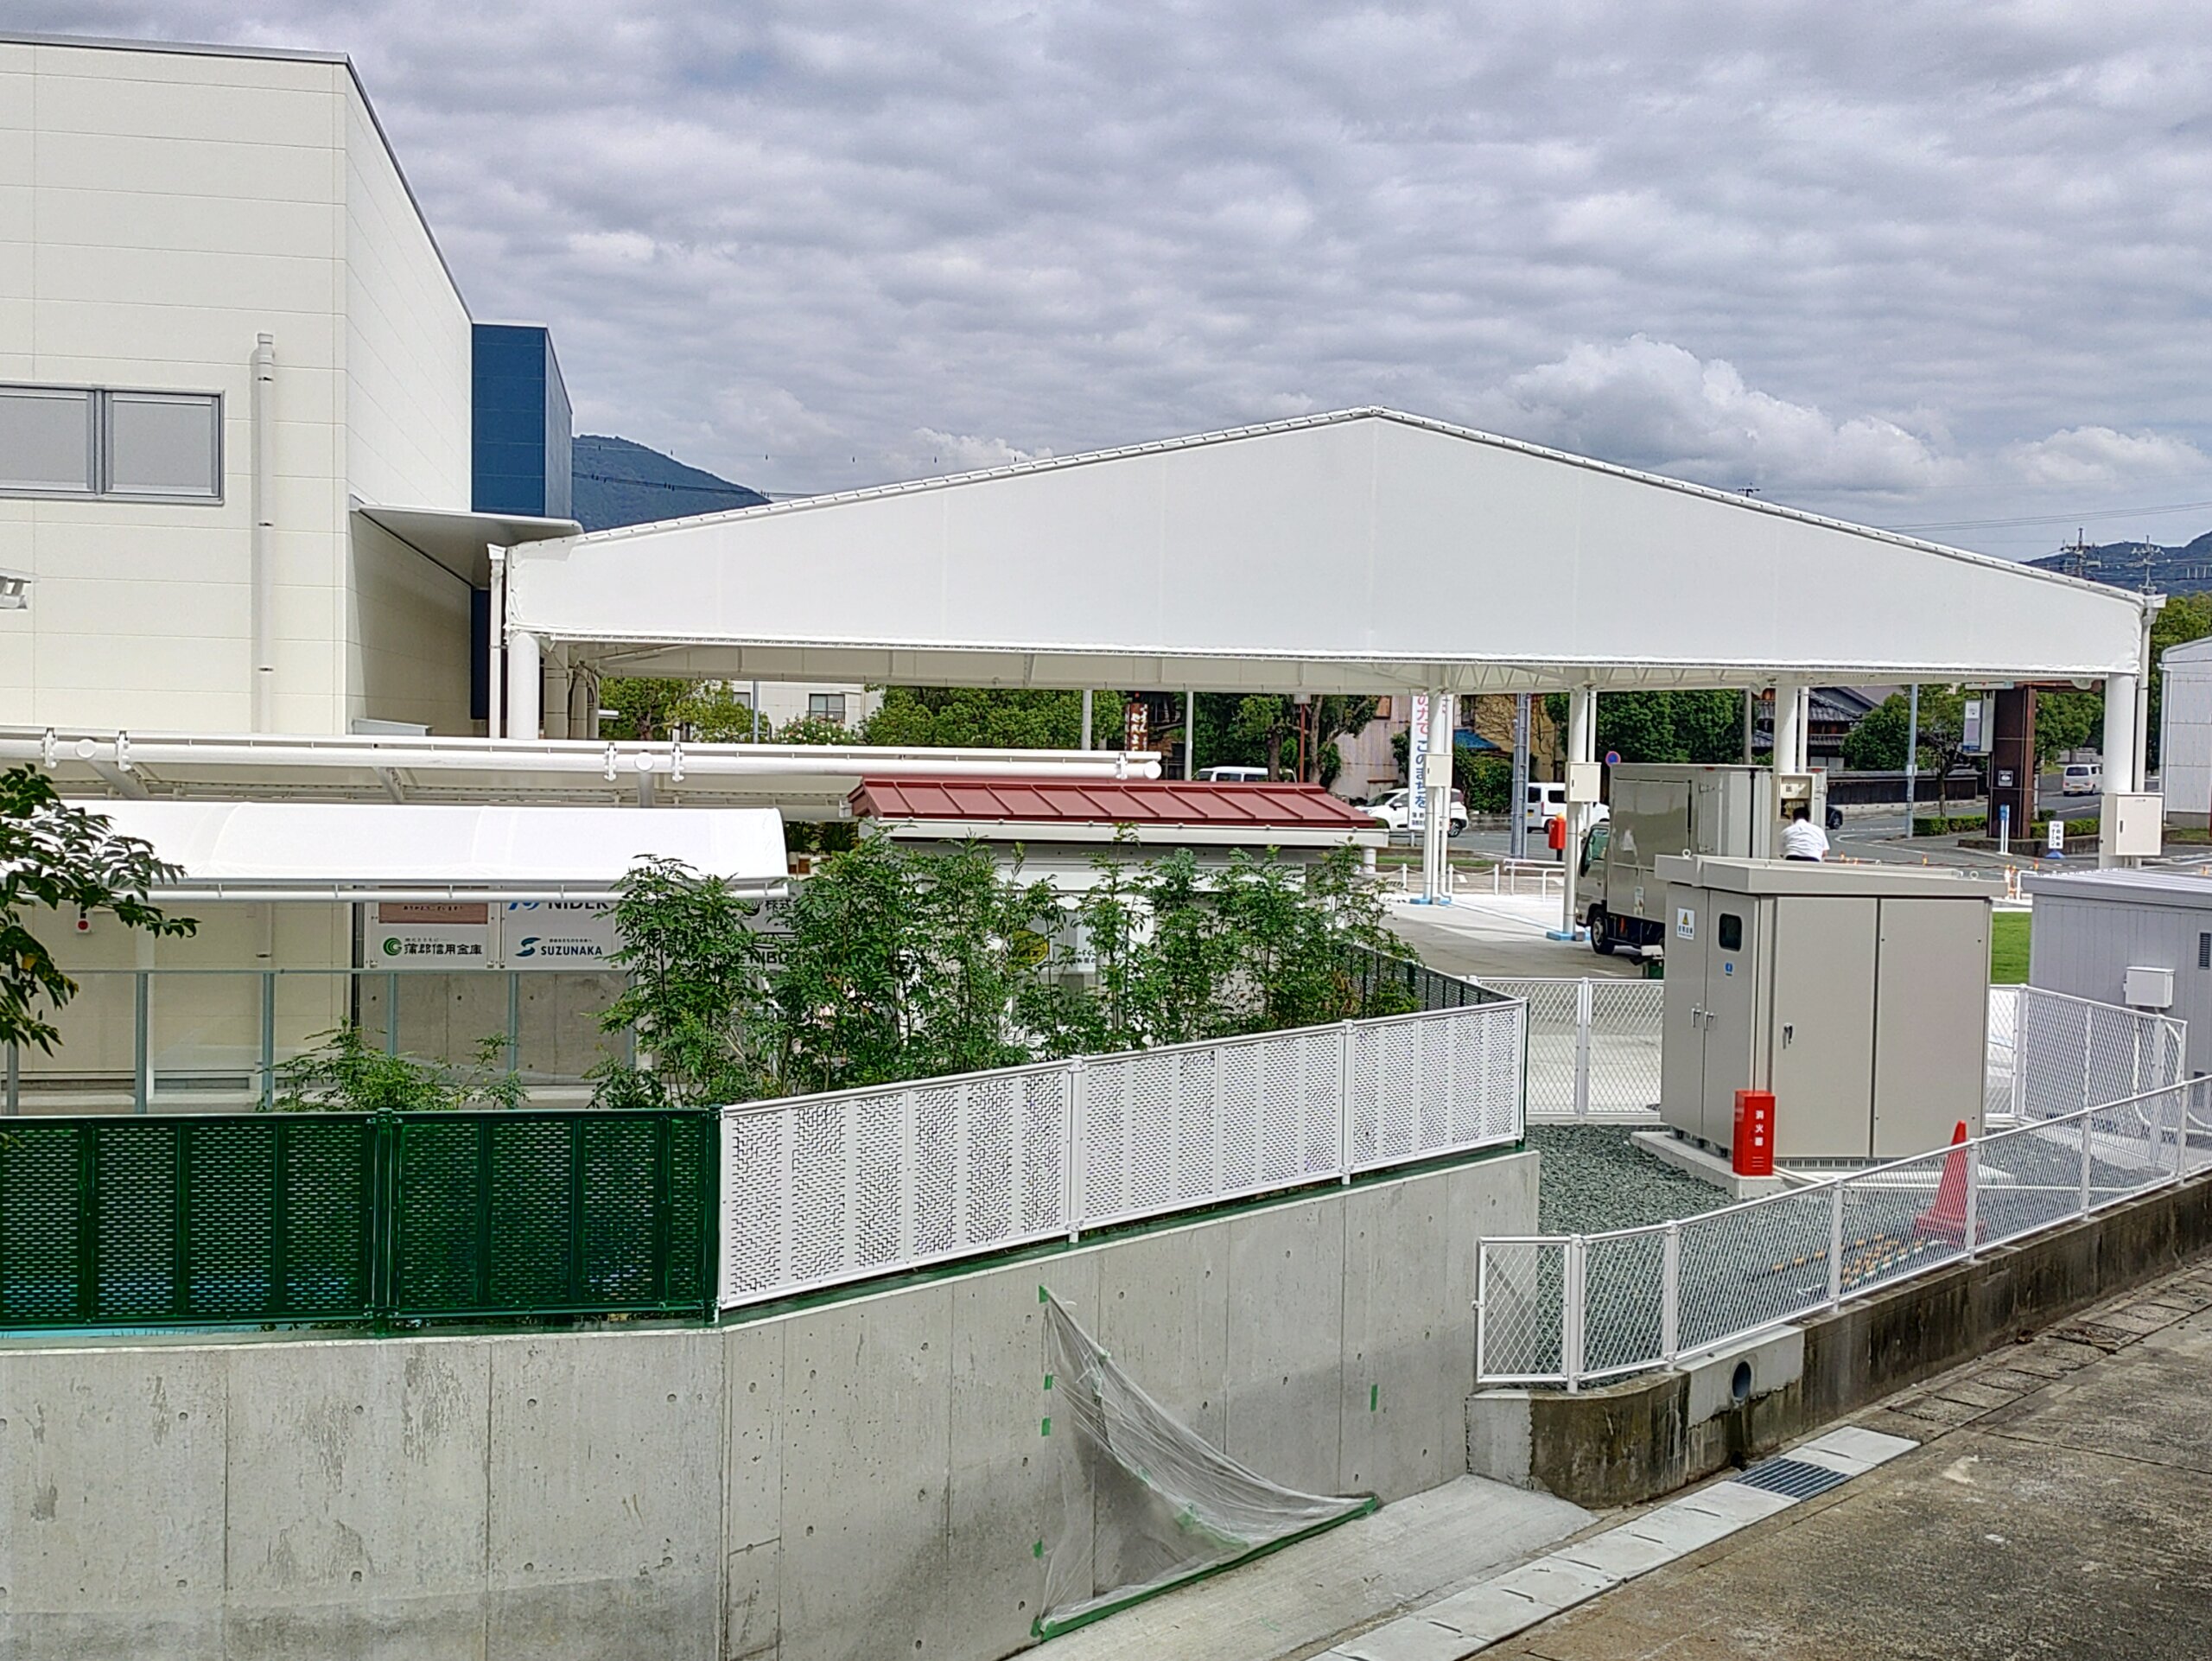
(1880, 259)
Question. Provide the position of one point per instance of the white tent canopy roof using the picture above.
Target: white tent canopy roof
(365, 851)
(1362, 552)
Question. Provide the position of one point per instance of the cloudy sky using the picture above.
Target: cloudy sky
(1916, 264)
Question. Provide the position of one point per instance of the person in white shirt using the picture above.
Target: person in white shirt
(1803, 839)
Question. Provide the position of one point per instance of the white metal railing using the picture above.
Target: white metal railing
(1593, 1046)
(2069, 1053)
(1571, 1309)
(818, 1191)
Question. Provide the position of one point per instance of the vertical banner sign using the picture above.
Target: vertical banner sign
(1416, 771)
(1974, 740)
(442, 934)
(557, 933)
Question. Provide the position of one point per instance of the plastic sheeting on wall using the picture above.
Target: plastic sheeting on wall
(1146, 1503)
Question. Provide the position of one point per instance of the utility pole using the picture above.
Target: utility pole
(1911, 756)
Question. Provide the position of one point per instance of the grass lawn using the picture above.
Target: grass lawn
(2008, 948)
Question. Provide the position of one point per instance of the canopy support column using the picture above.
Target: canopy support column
(1789, 727)
(525, 675)
(1581, 747)
(1435, 784)
(2120, 742)
(1086, 720)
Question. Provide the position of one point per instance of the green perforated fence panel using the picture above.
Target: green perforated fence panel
(255, 1219)
(216, 1217)
(549, 1213)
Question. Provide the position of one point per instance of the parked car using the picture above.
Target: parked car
(1396, 810)
(1233, 775)
(2081, 779)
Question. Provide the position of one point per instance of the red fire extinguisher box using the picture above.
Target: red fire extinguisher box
(1753, 1152)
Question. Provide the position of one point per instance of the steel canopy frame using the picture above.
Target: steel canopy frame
(1366, 551)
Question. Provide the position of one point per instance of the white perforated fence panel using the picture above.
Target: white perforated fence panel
(819, 1191)
(1427, 1086)
(1168, 1129)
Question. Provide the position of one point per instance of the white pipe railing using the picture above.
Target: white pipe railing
(1576, 1308)
(820, 1191)
(1593, 1046)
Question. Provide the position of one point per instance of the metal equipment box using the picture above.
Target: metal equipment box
(1859, 995)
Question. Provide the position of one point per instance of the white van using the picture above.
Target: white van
(2081, 779)
(1545, 801)
(1233, 775)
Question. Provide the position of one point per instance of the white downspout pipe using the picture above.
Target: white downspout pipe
(261, 538)
(495, 636)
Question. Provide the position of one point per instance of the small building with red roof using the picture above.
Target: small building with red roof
(1060, 827)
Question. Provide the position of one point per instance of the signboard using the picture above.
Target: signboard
(1417, 765)
(522, 934)
(1975, 740)
(557, 933)
(416, 934)
(1685, 923)
(2054, 838)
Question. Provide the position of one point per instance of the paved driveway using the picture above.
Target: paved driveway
(2060, 1506)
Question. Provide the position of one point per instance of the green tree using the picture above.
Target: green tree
(697, 998)
(813, 730)
(1702, 726)
(1877, 743)
(932, 717)
(343, 1072)
(1483, 777)
(57, 858)
(2066, 721)
(1262, 730)
(647, 710)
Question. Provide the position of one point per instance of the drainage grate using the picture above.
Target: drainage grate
(1793, 1478)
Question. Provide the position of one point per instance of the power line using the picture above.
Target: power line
(2054, 518)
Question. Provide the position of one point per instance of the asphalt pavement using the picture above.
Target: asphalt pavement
(2055, 1509)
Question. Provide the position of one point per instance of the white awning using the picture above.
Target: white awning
(360, 850)
(1362, 552)
(457, 540)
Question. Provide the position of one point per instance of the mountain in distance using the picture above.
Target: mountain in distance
(2138, 565)
(614, 482)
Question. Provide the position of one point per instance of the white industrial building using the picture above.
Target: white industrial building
(2185, 732)
(228, 347)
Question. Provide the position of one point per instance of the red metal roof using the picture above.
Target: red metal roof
(1134, 801)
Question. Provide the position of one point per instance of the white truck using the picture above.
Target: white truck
(1659, 807)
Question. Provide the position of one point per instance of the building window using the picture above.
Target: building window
(62, 441)
(826, 706)
(2204, 951)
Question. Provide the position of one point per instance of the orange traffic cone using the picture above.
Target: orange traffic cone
(1947, 1218)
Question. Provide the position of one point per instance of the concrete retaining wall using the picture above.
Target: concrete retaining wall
(1623, 1443)
(861, 1479)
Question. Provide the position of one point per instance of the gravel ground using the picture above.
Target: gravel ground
(1595, 1179)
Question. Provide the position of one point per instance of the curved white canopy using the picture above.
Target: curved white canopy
(378, 850)
(1365, 550)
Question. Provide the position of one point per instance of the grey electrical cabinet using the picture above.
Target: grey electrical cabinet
(1859, 995)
